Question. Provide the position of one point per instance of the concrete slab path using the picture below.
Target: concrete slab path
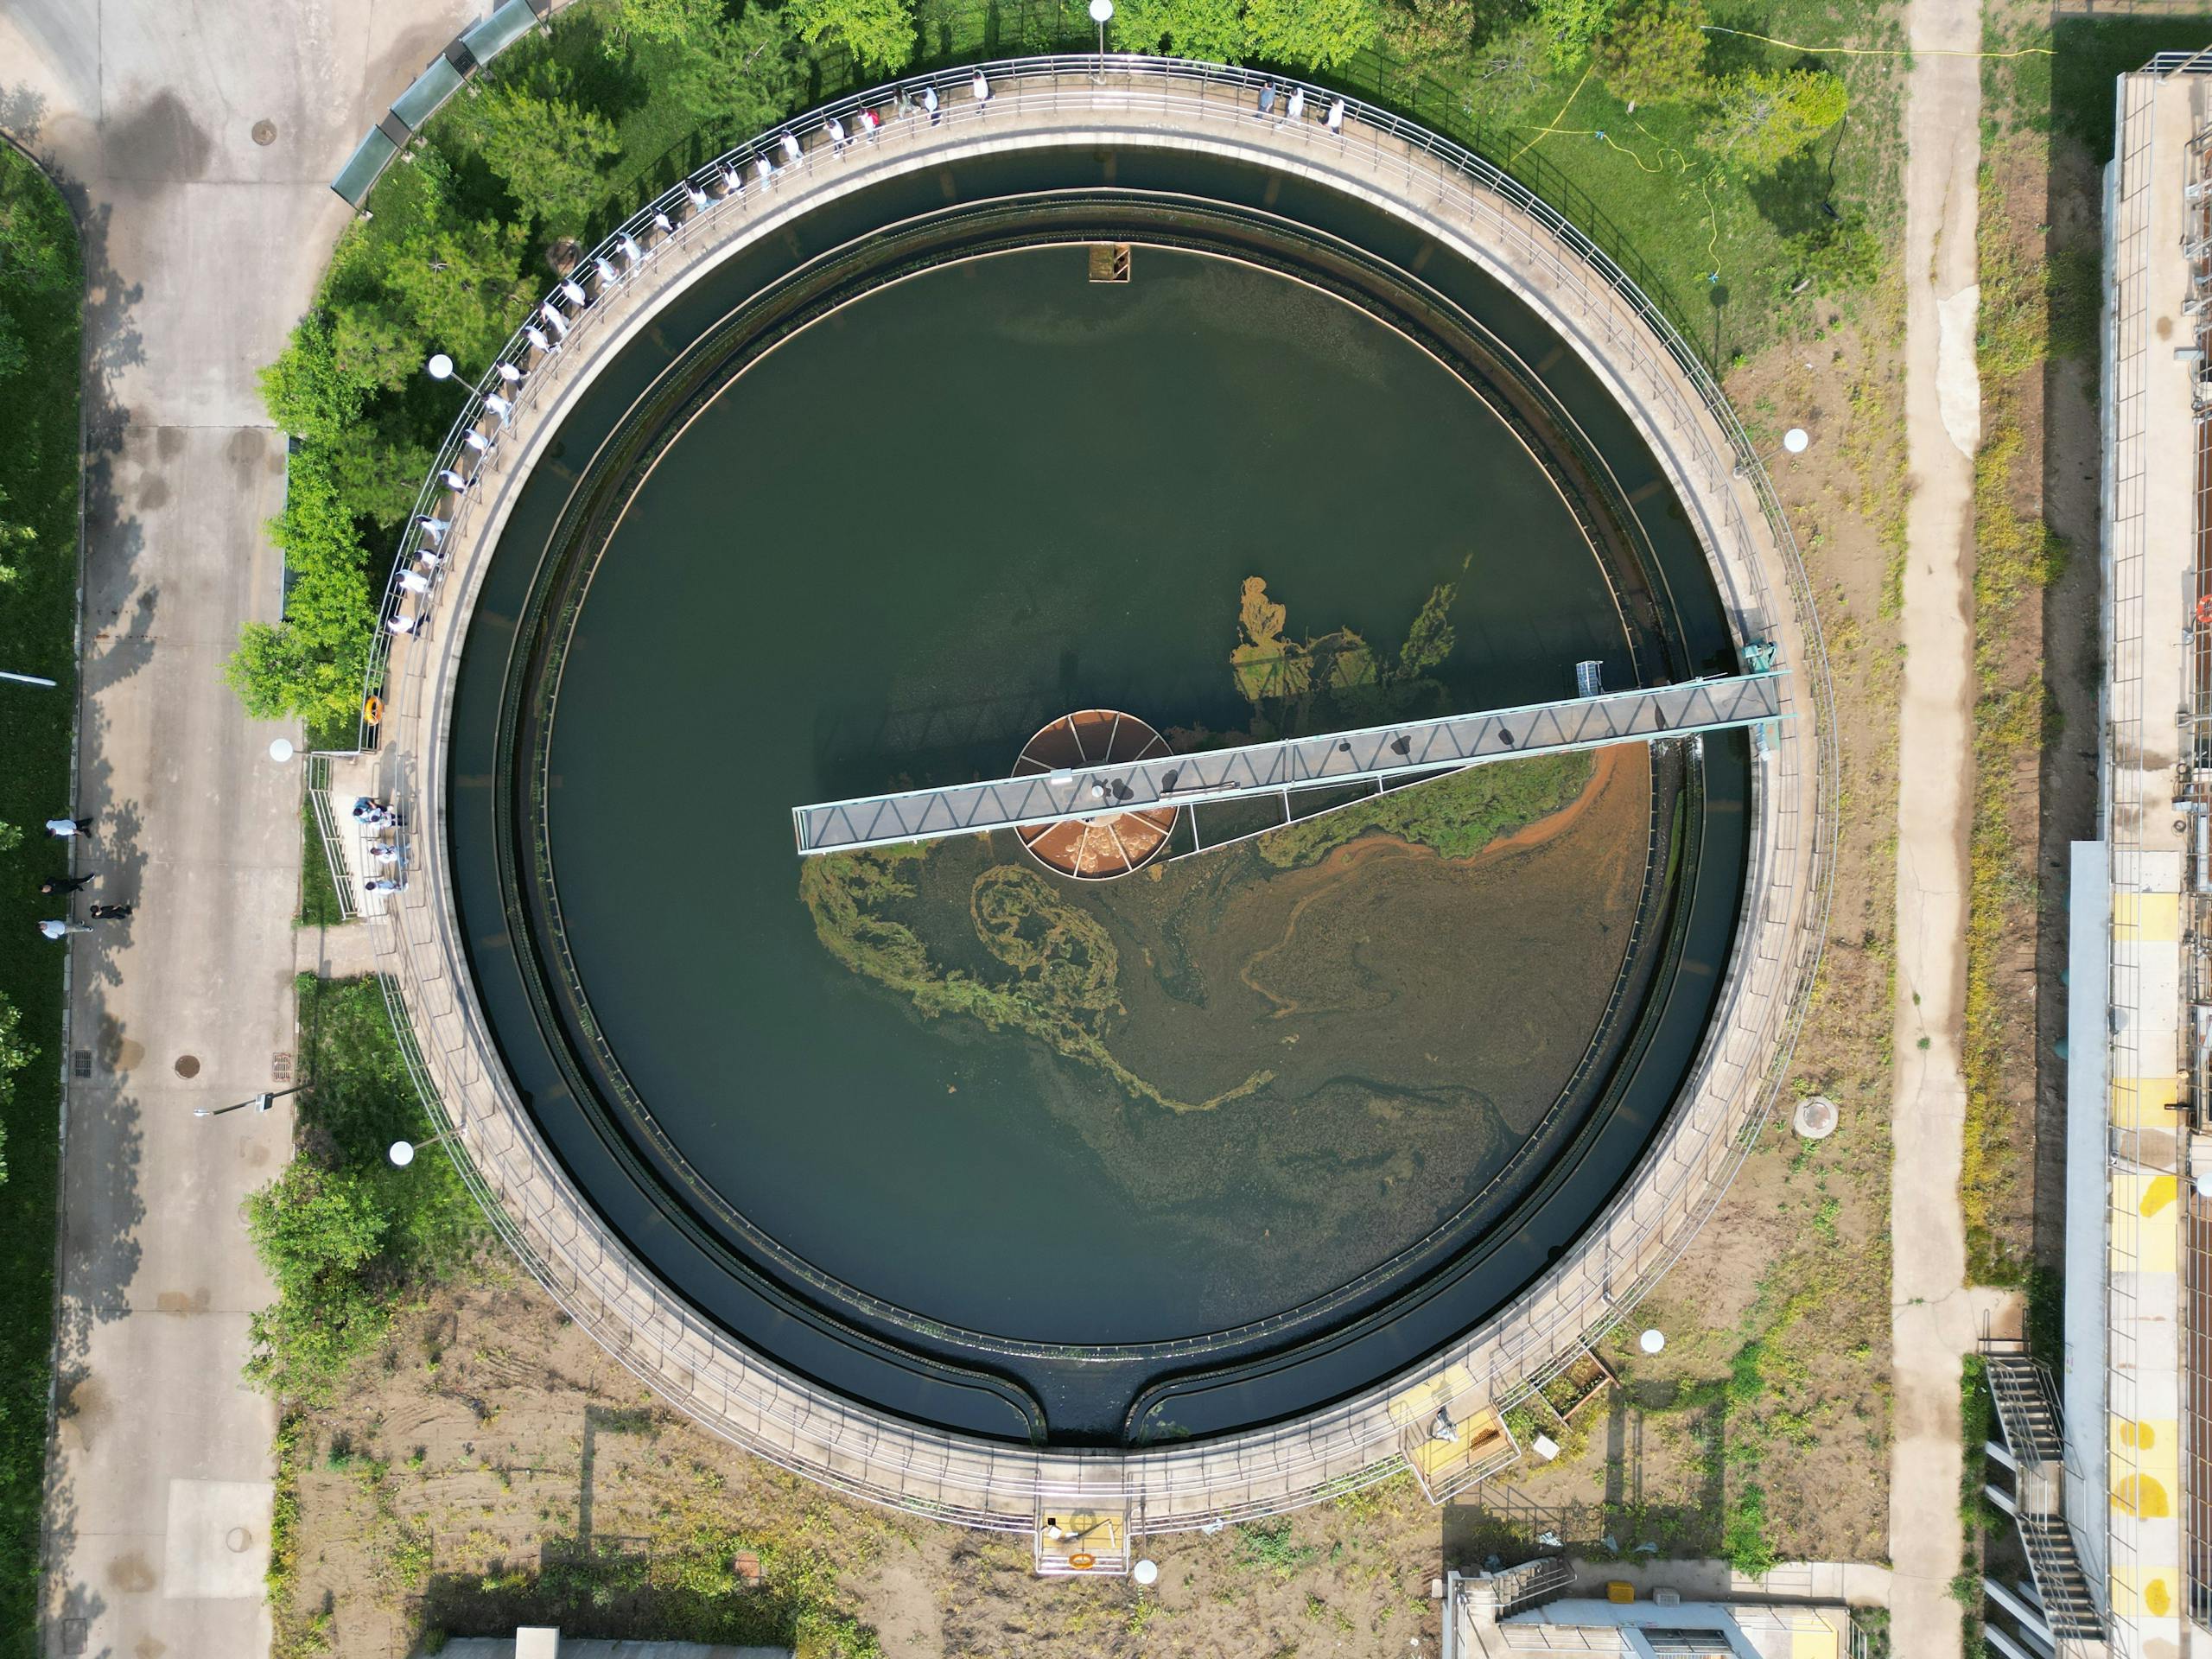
(1934, 1319)
(195, 139)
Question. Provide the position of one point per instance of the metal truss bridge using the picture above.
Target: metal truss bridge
(1376, 756)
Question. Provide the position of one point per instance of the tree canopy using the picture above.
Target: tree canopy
(1317, 34)
(1655, 52)
(1761, 119)
(880, 34)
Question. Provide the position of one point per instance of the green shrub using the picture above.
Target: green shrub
(344, 1236)
(1744, 1538)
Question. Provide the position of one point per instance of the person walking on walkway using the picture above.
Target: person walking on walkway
(68, 828)
(62, 929)
(113, 912)
(65, 883)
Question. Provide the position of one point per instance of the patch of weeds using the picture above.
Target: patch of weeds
(1267, 1544)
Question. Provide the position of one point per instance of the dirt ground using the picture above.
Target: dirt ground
(500, 1468)
(1775, 1376)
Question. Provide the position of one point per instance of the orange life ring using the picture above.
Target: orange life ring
(2204, 609)
(1082, 1561)
(373, 712)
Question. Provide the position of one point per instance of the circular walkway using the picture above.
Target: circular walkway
(1596, 311)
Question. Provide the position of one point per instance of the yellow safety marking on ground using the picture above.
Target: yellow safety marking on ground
(1813, 1640)
(2146, 1223)
(1083, 1533)
(1482, 1435)
(1417, 1404)
(2139, 1591)
(2145, 1102)
(2153, 917)
(2146, 1466)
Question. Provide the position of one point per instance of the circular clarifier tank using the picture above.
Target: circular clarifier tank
(960, 1127)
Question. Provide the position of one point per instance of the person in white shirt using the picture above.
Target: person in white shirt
(68, 828)
(62, 929)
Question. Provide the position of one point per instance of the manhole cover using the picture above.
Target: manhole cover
(187, 1065)
(1815, 1117)
(80, 1062)
(280, 1065)
(265, 132)
(239, 1540)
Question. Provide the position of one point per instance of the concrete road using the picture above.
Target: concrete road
(195, 139)
(1934, 1319)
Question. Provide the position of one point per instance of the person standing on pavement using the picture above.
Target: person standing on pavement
(62, 929)
(113, 912)
(68, 828)
(65, 883)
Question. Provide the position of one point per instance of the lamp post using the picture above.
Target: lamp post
(1101, 13)
(401, 1153)
(260, 1103)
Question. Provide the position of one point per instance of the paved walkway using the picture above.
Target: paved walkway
(202, 244)
(1934, 1320)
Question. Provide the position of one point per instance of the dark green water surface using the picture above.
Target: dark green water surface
(820, 592)
(880, 557)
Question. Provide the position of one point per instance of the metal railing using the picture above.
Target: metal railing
(1760, 1006)
(2127, 482)
(326, 826)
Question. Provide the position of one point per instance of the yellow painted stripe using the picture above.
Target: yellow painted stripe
(2145, 1102)
(2151, 916)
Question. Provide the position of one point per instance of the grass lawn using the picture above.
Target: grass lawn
(38, 471)
(319, 905)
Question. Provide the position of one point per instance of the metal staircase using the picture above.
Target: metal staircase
(2027, 1414)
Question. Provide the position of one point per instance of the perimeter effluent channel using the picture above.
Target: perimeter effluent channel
(1077, 1161)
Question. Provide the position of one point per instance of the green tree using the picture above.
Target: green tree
(545, 146)
(368, 346)
(747, 72)
(15, 1055)
(879, 33)
(662, 22)
(34, 263)
(15, 538)
(320, 1234)
(307, 391)
(1655, 53)
(1434, 36)
(460, 284)
(1761, 119)
(1569, 26)
(312, 663)
(1210, 29)
(1315, 34)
